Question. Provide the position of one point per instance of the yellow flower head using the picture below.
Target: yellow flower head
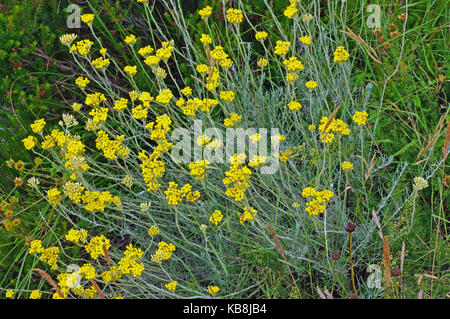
(234, 15)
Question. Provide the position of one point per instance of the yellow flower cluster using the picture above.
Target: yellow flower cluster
(164, 252)
(131, 70)
(171, 286)
(213, 290)
(97, 246)
(237, 176)
(306, 39)
(257, 160)
(38, 126)
(205, 39)
(120, 105)
(232, 120)
(139, 112)
(205, 12)
(94, 99)
(129, 264)
(164, 96)
(29, 142)
(111, 148)
(294, 105)
(247, 215)
(35, 294)
(111, 275)
(54, 196)
(174, 195)
(216, 217)
(346, 166)
(82, 47)
(186, 91)
(234, 15)
(152, 168)
(87, 18)
(98, 201)
(198, 169)
(360, 118)
(340, 55)
(99, 115)
(76, 236)
(311, 85)
(293, 64)
(82, 82)
(153, 230)
(100, 63)
(67, 39)
(255, 138)
(262, 62)
(130, 39)
(290, 11)
(165, 52)
(281, 47)
(227, 95)
(48, 255)
(316, 205)
(337, 126)
(261, 35)
(145, 51)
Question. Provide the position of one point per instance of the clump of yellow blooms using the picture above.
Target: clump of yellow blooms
(153, 230)
(164, 252)
(340, 55)
(232, 120)
(337, 126)
(213, 290)
(67, 39)
(261, 35)
(281, 47)
(227, 95)
(82, 82)
(306, 40)
(82, 47)
(76, 236)
(145, 51)
(205, 12)
(205, 39)
(120, 105)
(29, 142)
(293, 64)
(234, 15)
(131, 70)
(262, 62)
(35, 294)
(130, 264)
(97, 246)
(98, 201)
(111, 148)
(100, 63)
(237, 178)
(94, 99)
(360, 118)
(186, 91)
(54, 196)
(87, 18)
(9, 294)
(171, 286)
(257, 160)
(247, 215)
(290, 11)
(316, 205)
(216, 217)
(38, 126)
(164, 96)
(174, 195)
(130, 39)
(311, 85)
(346, 166)
(294, 105)
(198, 169)
(48, 255)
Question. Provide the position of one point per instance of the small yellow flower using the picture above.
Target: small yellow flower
(311, 85)
(340, 55)
(35, 294)
(346, 166)
(130, 70)
(306, 40)
(294, 106)
(171, 286)
(360, 118)
(130, 39)
(205, 12)
(262, 62)
(216, 217)
(87, 18)
(153, 230)
(9, 294)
